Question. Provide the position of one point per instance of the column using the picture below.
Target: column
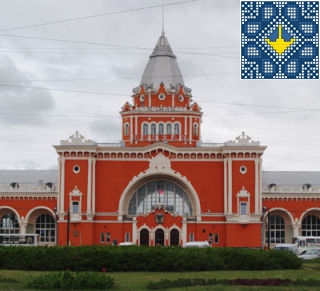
(257, 190)
(60, 209)
(89, 190)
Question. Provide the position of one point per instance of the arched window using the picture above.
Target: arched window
(46, 228)
(277, 229)
(161, 128)
(195, 129)
(176, 128)
(145, 129)
(169, 128)
(126, 129)
(311, 226)
(9, 223)
(153, 128)
(160, 192)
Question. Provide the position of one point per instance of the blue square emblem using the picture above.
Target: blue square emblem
(279, 39)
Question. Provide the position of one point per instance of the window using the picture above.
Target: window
(166, 193)
(126, 129)
(277, 229)
(191, 236)
(101, 237)
(145, 129)
(108, 237)
(176, 128)
(75, 206)
(195, 129)
(162, 96)
(169, 128)
(153, 129)
(9, 223)
(216, 238)
(46, 228)
(127, 236)
(161, 128)
(243, 208)
(311, 226)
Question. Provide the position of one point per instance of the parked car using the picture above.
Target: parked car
(126, 244)
(196, 244)
(310, 254)
(287, 247)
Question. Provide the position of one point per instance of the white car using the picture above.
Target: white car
(126, 244)
(286, 247)
(196, 244)
(310, 254)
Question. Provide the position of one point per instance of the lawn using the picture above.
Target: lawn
(137, 281)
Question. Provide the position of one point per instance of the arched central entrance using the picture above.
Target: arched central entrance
(159, 237)
(174, 237)
(144, 237)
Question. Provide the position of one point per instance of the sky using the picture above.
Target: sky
(68, 66)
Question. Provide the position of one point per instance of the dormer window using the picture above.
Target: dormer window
(272, 187)
(14, 185)
(306, 187)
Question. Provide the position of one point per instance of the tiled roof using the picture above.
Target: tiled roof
(268, 177)
(28, 176)
(291, 177)
(162, 67)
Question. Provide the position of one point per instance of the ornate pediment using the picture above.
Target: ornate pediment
(242, 140)
(243, 193)
(77, 139)
(160, 163)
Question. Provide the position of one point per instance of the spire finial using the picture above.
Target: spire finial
(162, 33)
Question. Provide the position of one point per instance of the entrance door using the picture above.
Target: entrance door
(144, 237)
(174, 237)
(159, 239)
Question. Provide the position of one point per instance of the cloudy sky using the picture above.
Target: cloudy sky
(71, 65)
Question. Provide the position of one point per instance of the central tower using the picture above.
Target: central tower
(162, 108)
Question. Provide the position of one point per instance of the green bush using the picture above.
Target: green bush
(115, 259)
(70, 280)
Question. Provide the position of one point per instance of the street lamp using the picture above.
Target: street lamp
(68, 227)
(55, 209)
(267, 210)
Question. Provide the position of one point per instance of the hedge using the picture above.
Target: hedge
(115, 259)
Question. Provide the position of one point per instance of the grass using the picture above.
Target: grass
(137, 281)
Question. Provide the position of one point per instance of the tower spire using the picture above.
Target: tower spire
(162, 33)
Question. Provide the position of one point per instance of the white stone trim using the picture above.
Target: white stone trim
(159, 165)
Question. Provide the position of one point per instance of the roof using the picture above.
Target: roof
(268, 177)
(28, 176)
(291, 177)
(162, 67)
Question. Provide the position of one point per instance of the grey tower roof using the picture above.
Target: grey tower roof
(162, 67)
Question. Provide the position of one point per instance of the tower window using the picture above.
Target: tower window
(145, 129)
(153, 128)
(161, 128)
(126, 129)
(195, 129)
(169, 128)
(176, 128)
